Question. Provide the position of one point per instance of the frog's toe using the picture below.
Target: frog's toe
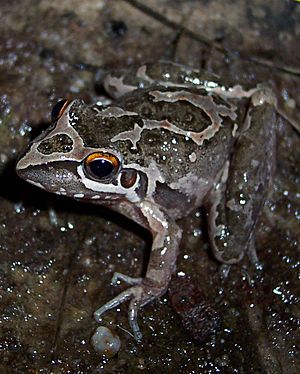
(252, 255)
(125, 278)
(224, 270)
(132, 318)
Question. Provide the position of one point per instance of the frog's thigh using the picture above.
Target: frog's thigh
(239, 197)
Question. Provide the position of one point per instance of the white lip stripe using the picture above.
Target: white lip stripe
(95, 186)
(151, 171)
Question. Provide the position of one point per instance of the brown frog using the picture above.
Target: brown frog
(173, 139)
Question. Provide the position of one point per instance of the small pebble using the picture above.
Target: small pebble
(105, 342)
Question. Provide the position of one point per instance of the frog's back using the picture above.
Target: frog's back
(181, 131)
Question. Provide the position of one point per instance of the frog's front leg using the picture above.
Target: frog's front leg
(162, 263)
(241, 189)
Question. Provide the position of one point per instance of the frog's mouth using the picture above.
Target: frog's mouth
(53, 177)
(62, 178)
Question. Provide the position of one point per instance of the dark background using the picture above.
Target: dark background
(58, 256)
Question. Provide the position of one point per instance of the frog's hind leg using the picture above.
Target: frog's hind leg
(239, 193)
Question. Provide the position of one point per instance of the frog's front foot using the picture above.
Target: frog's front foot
(126, 278)
(139, 295)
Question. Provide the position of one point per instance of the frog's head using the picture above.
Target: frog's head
(74, 157)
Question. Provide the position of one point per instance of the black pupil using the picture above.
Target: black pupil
(57, 108)
(101, 167)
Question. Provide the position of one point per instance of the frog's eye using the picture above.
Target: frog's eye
(101, 166)
(59, 109)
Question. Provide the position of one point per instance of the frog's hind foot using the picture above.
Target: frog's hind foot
(252, 254)
(139, 295)
(224, 270)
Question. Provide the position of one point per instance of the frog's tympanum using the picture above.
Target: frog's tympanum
(172, 140)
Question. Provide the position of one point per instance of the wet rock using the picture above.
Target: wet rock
(198, 317)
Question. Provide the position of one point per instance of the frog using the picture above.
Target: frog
(170, 140)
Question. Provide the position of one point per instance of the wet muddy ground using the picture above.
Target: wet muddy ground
(58, 256)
